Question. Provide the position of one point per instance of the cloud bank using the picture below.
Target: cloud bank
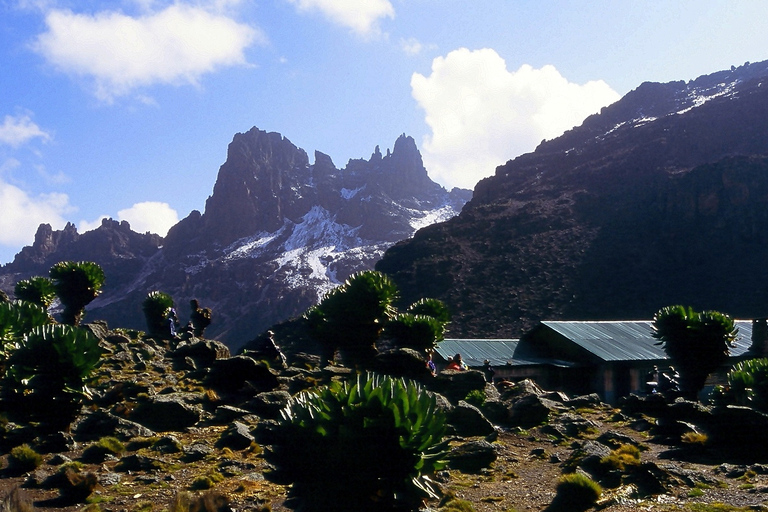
(150, 216)
(481, 114)
(21, 214)
(147, 217)
(361, 16)
(120, 53)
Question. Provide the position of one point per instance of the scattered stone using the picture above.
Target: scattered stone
(168, 444)
(231, 375)
(531, 410)
(469, 421)
(270, 403)
(472, 456)
(164, 413)
(236, 437)
(197, 451)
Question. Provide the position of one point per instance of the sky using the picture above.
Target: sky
(124, 108)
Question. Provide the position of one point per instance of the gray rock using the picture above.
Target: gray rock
(469, 421)
(101, 423)
(202, 353)
(226, 413)
(236, 437)
(236, 373)
(472, 456)
(456, 384)
(270, 403)
(531, 410)
(197, 451)
(164, 413)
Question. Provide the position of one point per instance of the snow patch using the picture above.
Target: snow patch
(347, 193)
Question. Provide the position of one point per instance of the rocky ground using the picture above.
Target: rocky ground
(190, 442)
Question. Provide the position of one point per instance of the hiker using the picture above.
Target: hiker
(431, 364)
(488, 371)
(456, 363)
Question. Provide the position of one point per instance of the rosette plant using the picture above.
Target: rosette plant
(76, 283)
(156, 307)
(369, 445)
(351, 317)
(37, 290)
(696, 342)
(47, 375)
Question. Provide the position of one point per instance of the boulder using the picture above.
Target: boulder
(469, 421)
(202, 352)
(100, 424)
(165, 413)
(472, 456)
(456, 384)
(236, 437)
(270, 403)
(531, 410)
(402, 362)
(232, 374)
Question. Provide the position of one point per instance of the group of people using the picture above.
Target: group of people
(457, 363)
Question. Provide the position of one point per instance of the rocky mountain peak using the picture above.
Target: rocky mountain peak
(255, 187)
(277, 232)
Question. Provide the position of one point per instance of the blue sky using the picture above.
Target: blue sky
(124, 109)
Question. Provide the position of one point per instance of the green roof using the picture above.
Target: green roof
(630, 340)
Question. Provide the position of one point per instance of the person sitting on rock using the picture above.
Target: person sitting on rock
(456, 363)
(431, 364)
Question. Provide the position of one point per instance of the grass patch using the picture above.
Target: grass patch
(23, 458)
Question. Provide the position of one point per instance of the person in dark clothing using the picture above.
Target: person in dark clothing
(488, 371)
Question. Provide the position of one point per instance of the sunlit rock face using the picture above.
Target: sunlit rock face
(276, 234)
(659, 199)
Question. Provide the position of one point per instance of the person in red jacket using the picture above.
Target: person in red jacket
(456, 363)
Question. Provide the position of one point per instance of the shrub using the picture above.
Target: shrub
(623, 456)
(367, 446)
(576, 491)
(23, 458)
(103, 447)
(748, 384)
(694, 439)
(476, 397)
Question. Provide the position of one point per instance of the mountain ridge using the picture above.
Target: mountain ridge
(275, 235)
(602, 222)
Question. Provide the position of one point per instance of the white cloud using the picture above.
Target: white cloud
(85, 225)
(361, 16)
(17, 130)
(176, 45)
(150, 216)
(21, 214)
(481, 114)
(413, 46)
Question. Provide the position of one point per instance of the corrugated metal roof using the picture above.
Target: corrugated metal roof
(475, 351)
(629, 340)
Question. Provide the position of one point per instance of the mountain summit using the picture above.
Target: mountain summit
(276, 234)
(659, 199)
